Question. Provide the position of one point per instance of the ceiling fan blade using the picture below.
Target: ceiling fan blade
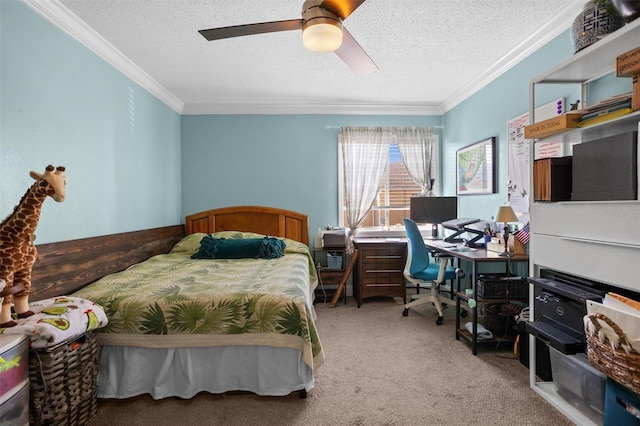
(342, 8)
(354, 55)
(250, 29)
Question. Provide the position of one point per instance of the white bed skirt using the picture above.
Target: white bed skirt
(127, 371)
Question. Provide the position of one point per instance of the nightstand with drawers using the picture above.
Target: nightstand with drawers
(380, 265)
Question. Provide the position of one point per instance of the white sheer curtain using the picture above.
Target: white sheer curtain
(416, 148)
(365, 151)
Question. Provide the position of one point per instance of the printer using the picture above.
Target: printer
(334, 238)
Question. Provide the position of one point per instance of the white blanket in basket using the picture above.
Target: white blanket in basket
(57, 320)
(628, 319)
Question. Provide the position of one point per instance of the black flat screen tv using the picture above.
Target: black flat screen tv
(433, 210)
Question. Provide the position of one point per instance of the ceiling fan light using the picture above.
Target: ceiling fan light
(322, 36)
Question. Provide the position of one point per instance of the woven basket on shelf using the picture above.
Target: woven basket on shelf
(62, 380)
(611, 358)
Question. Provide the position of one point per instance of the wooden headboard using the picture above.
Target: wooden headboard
(64, 267)
(262, 220)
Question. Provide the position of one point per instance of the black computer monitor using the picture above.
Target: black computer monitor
(433, 210)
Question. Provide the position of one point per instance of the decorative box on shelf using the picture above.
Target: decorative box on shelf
(552, 126)
(628, 64)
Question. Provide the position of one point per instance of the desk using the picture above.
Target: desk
(475, 257)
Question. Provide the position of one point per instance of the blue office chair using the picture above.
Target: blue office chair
(419, 270)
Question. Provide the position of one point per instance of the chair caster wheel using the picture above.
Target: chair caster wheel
(463, 314)
(405, 313)
(439, 321)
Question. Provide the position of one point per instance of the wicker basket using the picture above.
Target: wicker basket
(500, 318)
(611, 358)
(63, 381)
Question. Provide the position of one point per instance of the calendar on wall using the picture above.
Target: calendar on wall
(519, 157)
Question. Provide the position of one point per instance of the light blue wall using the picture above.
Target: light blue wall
(291, 161)
(286, 161)
(134, 163)
(485, 114)
(61, 104)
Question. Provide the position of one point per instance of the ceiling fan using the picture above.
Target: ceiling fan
(322, 31)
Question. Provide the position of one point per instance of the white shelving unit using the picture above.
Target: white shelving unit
(599, 240)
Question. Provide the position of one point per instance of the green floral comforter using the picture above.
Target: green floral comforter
(172, 300)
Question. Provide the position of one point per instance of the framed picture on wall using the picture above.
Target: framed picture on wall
(476, 168)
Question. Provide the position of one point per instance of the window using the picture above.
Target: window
(395, 189)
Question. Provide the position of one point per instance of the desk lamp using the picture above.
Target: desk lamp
(506, 214)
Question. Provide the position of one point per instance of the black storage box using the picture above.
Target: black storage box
(606, 169)
(499, 286)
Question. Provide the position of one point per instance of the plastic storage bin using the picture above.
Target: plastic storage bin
(14, 406)
(14, 362)
(334, 261)
(579, 383)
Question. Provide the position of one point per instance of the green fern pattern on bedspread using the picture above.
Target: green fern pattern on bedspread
(204, 302)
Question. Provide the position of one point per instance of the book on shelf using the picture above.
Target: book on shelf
(605, 117)
(613, 101)
(606, 110)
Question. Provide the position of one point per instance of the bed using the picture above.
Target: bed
(180, 325)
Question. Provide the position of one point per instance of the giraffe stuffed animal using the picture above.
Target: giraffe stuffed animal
(17, 251)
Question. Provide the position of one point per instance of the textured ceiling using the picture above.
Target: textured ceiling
(431, 54)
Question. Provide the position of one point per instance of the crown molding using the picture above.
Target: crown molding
(60, 16)
(291, 109)
(555, 26)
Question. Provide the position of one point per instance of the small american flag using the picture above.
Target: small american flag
(523, 234)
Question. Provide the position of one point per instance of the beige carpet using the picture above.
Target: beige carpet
(381, 369)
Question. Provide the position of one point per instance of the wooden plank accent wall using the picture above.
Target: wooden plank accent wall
(64, 267)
